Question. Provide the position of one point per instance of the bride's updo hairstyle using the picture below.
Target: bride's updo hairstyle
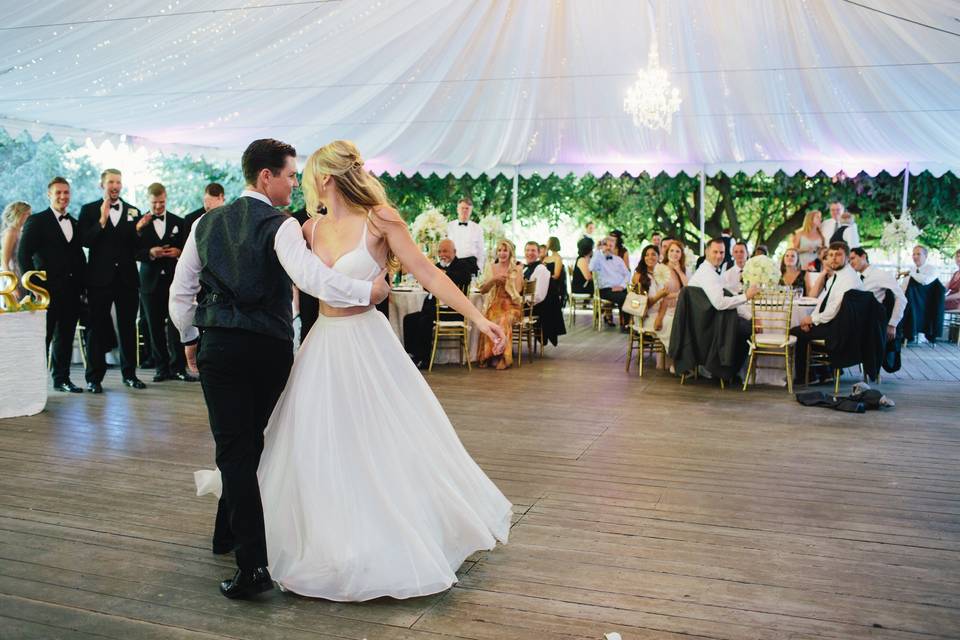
(342, 162)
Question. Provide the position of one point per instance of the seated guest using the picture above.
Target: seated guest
(502, 286)
(840, 278)
(953, 287)
(551, 318)
(612, 276)
(791, 273)
(582, 281)
(731, 278)
(927, 298)
(546, 306)
(418, 326)
(877, 281)
(675, 260)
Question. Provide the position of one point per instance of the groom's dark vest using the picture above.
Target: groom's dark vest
(242, 284)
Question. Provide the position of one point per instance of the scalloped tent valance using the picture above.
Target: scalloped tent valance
(500, 86)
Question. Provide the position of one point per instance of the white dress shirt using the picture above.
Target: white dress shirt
(833, 289)
(730, 279)
(925, 274)
(160, 226)
(468, 241)
(850, 235)
(609, 271)
(65, 225)
(707, 278)
(306, 270)
(541, 275)
(115, 212)
(876, 280)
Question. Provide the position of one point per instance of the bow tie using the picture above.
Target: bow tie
(63, 217)
(719, 270)
(158, 217)
(463, 224)
(609, 257)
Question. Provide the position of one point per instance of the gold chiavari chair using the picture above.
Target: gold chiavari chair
(450, 325)
(772, 311)
(526, 328)
(817, 355)
(576, 300)
(600, 307)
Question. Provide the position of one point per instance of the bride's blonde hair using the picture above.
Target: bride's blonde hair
(341, 161)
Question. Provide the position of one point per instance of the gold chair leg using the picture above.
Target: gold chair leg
(836, 382)
(466, 351)
(749, 369)
(640, 357)
(786, 359)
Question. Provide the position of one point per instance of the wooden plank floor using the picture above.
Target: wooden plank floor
(641, 506)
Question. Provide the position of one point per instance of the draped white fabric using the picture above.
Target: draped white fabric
(534, 86)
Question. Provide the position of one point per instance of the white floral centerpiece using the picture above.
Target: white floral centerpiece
(429, 227)
(661, 274)
(899, 233)
(761, 271)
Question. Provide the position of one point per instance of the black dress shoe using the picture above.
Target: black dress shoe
(160, 377)
(246, 584)
(94, 387)
(68, 387)
(134, 383)
(184, 376)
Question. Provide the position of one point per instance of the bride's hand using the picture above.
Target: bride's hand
(495, 333)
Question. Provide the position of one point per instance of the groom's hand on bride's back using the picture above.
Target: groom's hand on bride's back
(380, 289)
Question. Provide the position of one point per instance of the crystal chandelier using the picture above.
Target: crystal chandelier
(651, 100)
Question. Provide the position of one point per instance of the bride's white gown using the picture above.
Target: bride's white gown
(366, 489)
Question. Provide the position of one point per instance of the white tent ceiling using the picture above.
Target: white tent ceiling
(499, 85)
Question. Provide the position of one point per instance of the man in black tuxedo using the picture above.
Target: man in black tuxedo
(213, 197)
(161, 241)
(50, 242)
(108, 228)
(418, 326)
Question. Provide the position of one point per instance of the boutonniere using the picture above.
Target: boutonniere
(132, 214)
(175, 228)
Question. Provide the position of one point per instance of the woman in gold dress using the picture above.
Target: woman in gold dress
(502, 284)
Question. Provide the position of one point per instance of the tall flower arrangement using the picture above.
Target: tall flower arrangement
(899, 233)
(761, 271)
(429, 227)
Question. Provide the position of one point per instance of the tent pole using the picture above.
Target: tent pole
(703, 193)
(516, 189)
(906, 187)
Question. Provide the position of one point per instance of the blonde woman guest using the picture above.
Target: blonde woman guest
(15, 215)
(791, 275)
(808, 240)
(502, 286)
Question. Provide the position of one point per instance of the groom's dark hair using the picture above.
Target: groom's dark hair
(265, 154)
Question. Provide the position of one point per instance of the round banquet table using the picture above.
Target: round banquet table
(771, 370)
(407, 301)
(23, 367)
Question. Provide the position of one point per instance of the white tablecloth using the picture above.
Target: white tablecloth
(403, 303)
(23, 363)
(776, 373)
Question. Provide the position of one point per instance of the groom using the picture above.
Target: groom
(233, 282)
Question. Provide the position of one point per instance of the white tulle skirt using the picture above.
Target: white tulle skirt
(366, 488)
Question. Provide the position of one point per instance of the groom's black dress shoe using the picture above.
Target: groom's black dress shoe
(245, 584)
(94, 387)
(67, 387)
(134, 383)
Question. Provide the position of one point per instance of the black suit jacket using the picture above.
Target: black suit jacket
(44, 247)
(191, 219)
(701, 335)
(857, 334)
(158, 274)
(113, 250)
(460, 271)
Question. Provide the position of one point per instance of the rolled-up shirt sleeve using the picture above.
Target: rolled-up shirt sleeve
(183, 291)
(312, 276)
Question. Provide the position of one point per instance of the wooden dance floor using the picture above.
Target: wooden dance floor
(641, 506)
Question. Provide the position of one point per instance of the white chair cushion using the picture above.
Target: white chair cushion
(775, 339)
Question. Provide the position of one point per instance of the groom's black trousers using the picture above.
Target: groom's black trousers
(242, 374)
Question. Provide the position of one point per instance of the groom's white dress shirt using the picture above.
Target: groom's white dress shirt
(306, 270)
(707, 278)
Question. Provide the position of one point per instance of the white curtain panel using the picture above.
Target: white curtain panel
(534, 86)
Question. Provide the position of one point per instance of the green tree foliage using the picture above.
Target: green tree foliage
(27, 166)
(186, 177)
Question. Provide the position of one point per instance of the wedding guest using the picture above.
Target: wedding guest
(643, 274)
(582, 280)
(953, 287)
(791, 275)
(14, 217)
(840, 278)
(162, 238)
(840, 227)
(588, 231)
(502, 286)
(656, 239)
(732, 278)
(728, 243)
(877, 281)
(621, 248)
(558, 275)
(548, 308)
(107, 227)
(541, 252)
(418, 326)
(808, 240)
(761, 250)
(612, 276)
(213, 197)
(675, 260)
(923, 272)
(50, 243)
(466, 234)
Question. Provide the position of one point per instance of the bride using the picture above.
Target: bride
(366, 489)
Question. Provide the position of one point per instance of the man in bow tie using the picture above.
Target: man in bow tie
(50, 243)
(612, 275)
(467, 234)
(162, 235)
(108, 228)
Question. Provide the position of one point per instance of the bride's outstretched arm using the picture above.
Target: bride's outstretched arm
(398, 238)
